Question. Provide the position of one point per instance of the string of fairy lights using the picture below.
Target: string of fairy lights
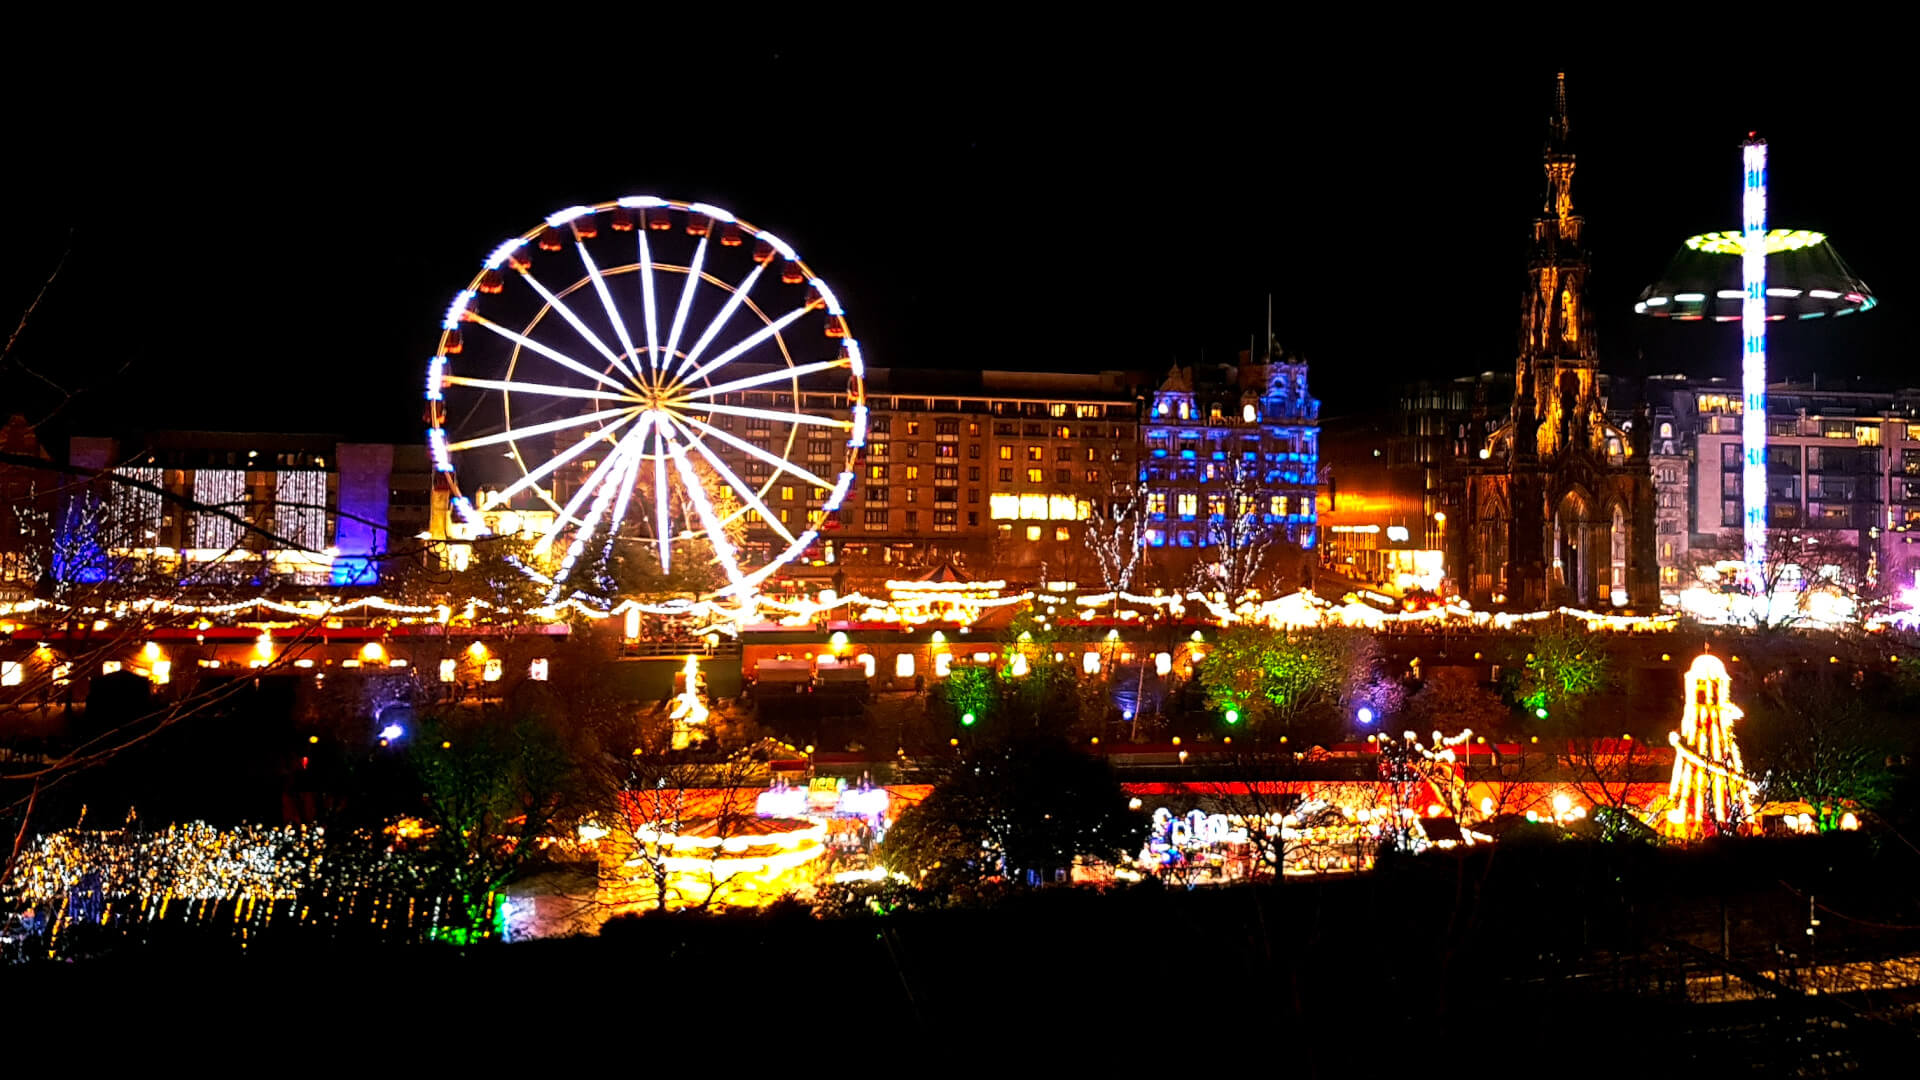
(907, 604)
(244, 879)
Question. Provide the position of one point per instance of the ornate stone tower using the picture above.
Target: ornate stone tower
(1559, 502)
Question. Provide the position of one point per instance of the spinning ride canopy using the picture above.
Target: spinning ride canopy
(1806, 279)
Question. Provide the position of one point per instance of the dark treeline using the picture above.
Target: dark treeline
(1581, 949)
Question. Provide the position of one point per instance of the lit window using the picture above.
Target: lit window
(1003, 506)
(1036, 476)
(537, 670)
(447, 669)
(903, 665)
(1060, 532)
(12, 673)
(1060, 507)
(110, 667)
(913, 473)
(1006, 453)
(1036, 453)
(942, 664)
(1189, 504)
(1248, 414)
(162, 672)
(1033, 532)
(786, 493)
(492, 671)
(1157, 502)
(1033, 506)
(1183, 410)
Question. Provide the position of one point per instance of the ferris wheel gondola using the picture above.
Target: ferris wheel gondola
(616, 396)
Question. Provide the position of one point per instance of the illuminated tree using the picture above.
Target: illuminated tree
(1117, 536)
(1566, 670)
(1303, 682)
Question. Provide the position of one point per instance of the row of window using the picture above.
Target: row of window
(1187, 503)
(1034, 475)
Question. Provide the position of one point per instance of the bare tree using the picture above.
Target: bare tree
(1614, 774)
(671, 830)
(1801, 573)
(1239, 540)
(103, 589)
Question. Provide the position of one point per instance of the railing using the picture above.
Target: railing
(695, 647)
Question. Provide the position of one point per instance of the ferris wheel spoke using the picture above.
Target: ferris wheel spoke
(501, 497)
(573, 320)
(646, 298)
(745, 490)
(662, 525)
(686, 302)
(613, 313)
(720, 321)
(548, 389)
(757, 337)
(758, 380)
(550, 353)
(584, 535)
(538, 429)
(751, 450)
(594, 480)
(709, 518)
(625, 485)
(779, 417)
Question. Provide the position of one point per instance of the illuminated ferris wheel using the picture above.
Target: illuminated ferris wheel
(640, 370)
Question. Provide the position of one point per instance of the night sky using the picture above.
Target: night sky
(265, 239)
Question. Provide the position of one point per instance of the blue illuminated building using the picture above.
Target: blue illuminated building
(1227, 441)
